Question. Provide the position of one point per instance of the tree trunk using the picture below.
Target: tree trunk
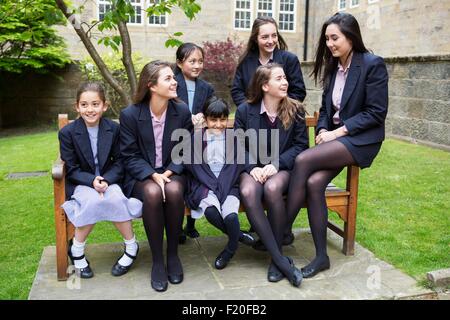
(106, 74)
(126, 57)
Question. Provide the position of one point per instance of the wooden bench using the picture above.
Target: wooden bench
(342, 201)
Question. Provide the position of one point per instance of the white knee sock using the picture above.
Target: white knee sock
(131, 248)
(77, 251)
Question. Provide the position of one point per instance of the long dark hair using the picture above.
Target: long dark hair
(288, 110)
(184, 51)
(349, 26)
(216, 108)
(252, 44)
(149, 76)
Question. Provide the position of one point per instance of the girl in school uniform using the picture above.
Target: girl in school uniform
(90, 149)
(214, 183)
(194, 92)
(350, 129)
(266, 45)
(270, 109)
(150, 174)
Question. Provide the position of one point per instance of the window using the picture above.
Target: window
(104, 6)
(243, 14)
(137, 18)
(157, 20)
(341, 5)
(286, 19)
(354, 3)
(265, 8)
(372, 1)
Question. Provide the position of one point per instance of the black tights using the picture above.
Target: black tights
(158, 215)
(313, 171)
(269, 228)
(229, 226)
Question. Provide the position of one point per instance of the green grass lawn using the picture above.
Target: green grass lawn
(403, 210)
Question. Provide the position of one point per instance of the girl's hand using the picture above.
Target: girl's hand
(325, 136)
(99, 184)
(256, 173)
(161, 180)
(268, 171)
(198, 120)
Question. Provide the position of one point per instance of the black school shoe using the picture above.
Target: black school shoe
(118, 269)
(223, 259)
(246, 238)
(84, 273)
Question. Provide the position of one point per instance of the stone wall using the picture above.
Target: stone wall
(419, 97)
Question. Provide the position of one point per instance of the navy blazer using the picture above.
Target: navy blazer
(247, 68)
(202, 179)
(203, 91)
(364, 103)
(291, 141)
(75, 149)
(137, 141)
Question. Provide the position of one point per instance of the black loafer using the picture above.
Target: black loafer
(309, 272)
(192, 233)
(84, 273)
(247, 239)
(175, 278)
(274, 274)
(222, 260)
(259, 246)
(288, 239)
(297, 275)
(159, 286)
(118, 269)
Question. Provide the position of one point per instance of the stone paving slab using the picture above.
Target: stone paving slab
(361, 276)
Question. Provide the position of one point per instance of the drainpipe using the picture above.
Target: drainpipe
(305, 41)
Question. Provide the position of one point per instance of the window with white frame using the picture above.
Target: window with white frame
(372, 1)
(341, 5)
(157, 20)
(286, 21)
(243, 14)
(354, 3)
(265, 8)
(104, 6)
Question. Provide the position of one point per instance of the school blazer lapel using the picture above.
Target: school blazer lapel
(105, 139)
(145, 128)
(198, 97)
(84, 143)
(182, 88)
(352, 79)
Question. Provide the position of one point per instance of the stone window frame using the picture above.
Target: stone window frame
(135, 4)
(293, 13)
(354, 3)
(341, 5)
(242, 11)
(162, 16)
(265, 12)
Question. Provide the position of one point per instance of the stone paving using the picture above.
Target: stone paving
(361, 276)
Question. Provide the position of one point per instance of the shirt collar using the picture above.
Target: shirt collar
(160, 120)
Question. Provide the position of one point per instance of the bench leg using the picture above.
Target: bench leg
(61, 232)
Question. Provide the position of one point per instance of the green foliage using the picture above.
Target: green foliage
(27, 40)
(114, 63)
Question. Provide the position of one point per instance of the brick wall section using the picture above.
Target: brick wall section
(419, 97)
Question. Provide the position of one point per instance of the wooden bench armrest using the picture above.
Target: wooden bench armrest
(58, 169)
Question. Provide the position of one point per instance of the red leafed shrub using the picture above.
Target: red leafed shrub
(221, 59)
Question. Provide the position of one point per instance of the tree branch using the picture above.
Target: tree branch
(126, 56)
(94, 54)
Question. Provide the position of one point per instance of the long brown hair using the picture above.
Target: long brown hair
(288, 110)
(252, 44)
(349, 26)
(149, 77)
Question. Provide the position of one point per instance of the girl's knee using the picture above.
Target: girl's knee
(152, 192)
